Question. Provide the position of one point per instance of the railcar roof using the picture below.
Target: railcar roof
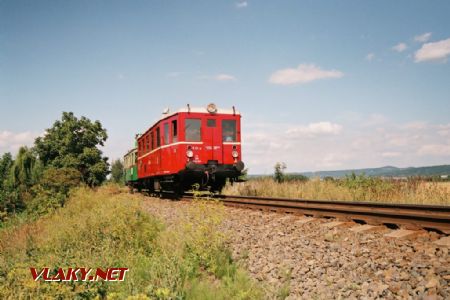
(130, 151)
(220, 111)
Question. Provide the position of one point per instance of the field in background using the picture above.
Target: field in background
(357, 188)
(109, 228)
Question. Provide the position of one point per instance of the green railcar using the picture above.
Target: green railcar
(130, 167)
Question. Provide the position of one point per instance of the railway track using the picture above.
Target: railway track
(408, 216)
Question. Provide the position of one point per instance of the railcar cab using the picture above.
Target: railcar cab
(192, 145)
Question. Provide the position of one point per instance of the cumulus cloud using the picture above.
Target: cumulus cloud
(435, 150)
(444, 130)
(370, 56)
(436, 51)
(390, 154)
(120, 76)
(328, 145)
(332, 160)
(422, 38)
(173, 74)
(315, 129)
(241, 4)
(224, 77)
(11, 141)
(416, 125)
(304, 73)
(400, 47)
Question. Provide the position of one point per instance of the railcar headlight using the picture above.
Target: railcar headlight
(211, 108)
(190, 153)
(234, 153)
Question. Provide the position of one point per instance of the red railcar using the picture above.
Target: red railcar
(191, 145)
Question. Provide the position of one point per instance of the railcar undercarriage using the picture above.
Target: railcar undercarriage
(210, 177)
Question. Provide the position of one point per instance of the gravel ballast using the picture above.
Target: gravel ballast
(304, 260)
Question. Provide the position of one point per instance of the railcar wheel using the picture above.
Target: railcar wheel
(218, 185)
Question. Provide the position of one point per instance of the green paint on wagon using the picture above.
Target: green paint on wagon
(130, 160)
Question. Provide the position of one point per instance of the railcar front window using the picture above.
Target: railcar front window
(192, 129)
(229, 130)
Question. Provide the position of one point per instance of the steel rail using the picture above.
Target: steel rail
(411, 216)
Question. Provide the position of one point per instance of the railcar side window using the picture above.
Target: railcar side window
(158, 137)
(153, 140)
(147, 144)
(229, 130)
(174, 131)
(192, 129)
(166, 134)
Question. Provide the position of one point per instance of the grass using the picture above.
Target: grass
(358, 188)
(108, 228)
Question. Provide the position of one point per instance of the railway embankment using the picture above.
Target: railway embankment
(297, 257)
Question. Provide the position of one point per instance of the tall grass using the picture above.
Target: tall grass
(357, 188)
(108, 228)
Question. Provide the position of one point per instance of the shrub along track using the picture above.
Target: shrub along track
(409, 216)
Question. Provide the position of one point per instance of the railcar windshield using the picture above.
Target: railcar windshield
(229, 130)
(192, 129)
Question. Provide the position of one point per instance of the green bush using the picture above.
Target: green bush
(107, 228)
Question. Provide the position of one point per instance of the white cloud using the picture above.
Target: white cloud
(173, 74)
(435, 150)
(224, 77)
(241, 4)
(375, 119)
(120, 76)
(11, 142)
(390, 154)
(352, 143)
(436, 51)
(422, 38)
(417, 125)
(315, 129)
(332, 160)
(370, 56)
(400, 47)
(199, 52)
(444, 130)
(304, 73)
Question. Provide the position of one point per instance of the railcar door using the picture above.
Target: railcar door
(212, 140)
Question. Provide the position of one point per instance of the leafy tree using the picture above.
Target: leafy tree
(117, 171)
(295, 177)
(72, 143)
(279, 175)
(53, 189)
(25, 171)
(6, 163)
(21, 174)
(60, 180)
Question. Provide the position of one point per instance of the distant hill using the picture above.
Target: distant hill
(387, 171)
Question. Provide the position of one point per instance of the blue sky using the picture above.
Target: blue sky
(321, 84)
